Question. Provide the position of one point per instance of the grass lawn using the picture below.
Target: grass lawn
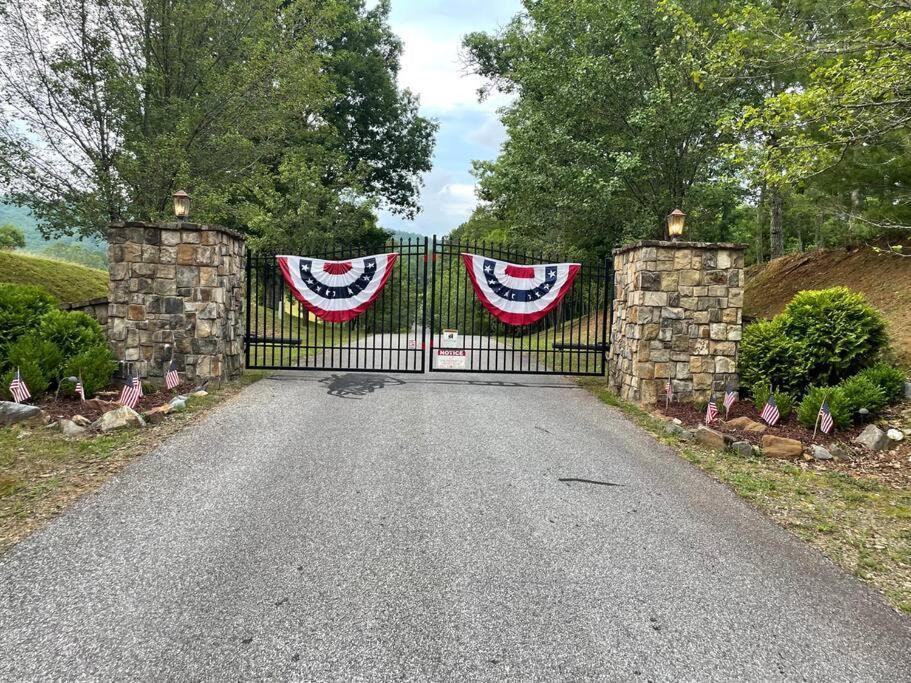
(41, 472)
(861, 524)
(68, 282)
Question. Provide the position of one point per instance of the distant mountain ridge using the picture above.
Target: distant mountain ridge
(23, 219)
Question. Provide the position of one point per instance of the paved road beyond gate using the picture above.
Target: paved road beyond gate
(428, 318)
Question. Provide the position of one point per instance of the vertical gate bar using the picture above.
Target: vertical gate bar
(608, 316)
(433, 295)
(423, 290)
(486, 317)
(398, 321)
(474, 316)
(410, 304)
(248, 270)
(296, 306)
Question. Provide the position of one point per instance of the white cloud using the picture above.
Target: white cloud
(431, 67)
(457, 200)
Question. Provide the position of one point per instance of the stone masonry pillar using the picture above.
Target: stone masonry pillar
(177, 288)
(677, 317)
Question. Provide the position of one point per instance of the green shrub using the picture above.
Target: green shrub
(842, 414)
(890, 380)
(860, 392)
(72, 331)
(21, 309)
(769, 356)
(840, 333)
(783, 400)
(32, 376)
(32, 349)
(96, 366)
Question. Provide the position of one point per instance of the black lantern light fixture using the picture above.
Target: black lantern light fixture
(675, 222)
(181, 205)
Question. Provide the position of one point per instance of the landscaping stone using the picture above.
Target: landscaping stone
(200, 393)
(742, 448)
(745, 424)
(841, 453)
(780, 447)
(895, 434)
(13, 413)
(100, 404)
(179, 404)
(123, 416)
(908, 390)
(711, 438)
(821, 453)
(82, 421)
(70, 428)
(873, 438)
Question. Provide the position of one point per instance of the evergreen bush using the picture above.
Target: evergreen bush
(72, 331)
(890, 380)
(21, 309)
(842, 415)
(29, 373)
(34, 350)
(783, 400)
(96, 366)
(769, 356)
(860, 392)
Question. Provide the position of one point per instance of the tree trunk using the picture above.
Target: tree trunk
(776, 219)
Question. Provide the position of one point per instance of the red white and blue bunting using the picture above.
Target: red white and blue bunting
(519, 295)
(337, 291)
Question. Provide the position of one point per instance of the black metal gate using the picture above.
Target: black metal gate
(428, 318)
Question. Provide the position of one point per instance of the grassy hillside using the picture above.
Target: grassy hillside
(68, 282)
(884, 280)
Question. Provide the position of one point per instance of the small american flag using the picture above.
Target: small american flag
(18, 389)
(80, 389)
(669, 391)
(171, 378)
(826, 423)
(730, 398)
(770, 411)
(129, 395)
(711, 410)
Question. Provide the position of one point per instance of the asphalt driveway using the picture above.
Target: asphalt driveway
(428, 527)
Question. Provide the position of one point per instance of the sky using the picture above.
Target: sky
(431, 32)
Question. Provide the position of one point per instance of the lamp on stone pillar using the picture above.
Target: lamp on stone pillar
(181, 205)
(675, 222)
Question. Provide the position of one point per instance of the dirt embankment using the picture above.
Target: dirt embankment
(884, 279)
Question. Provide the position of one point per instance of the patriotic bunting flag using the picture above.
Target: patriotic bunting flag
(519, 295)
(770, 412)
(171, 378)
(826, 423)
(129, 395)
(711, 410)
(337, 291)
(19, 389)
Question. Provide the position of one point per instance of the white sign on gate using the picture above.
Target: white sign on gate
(449, 339)
(451, 359)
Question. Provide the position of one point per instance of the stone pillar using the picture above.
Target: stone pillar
(677, 316)
(177, 288)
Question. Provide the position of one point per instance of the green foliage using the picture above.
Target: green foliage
(11, 237)
(783, 400)
(66, 282)
(768, 356)
(890, 380)
(860, 392)
(840, 332)
(842, 414)
(95, 365)
(21, 310)
(31, 374)
(34, 350)
(72, 331)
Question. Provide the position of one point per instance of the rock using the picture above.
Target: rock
(742, 448)
(200, 393)
(908, 390)
(164, 409)
(820, 453)
(711, 438)
(780, 447)
(179, 404)
(895, 434)
(13, 413)
(863, 415)
(841, 453)
(70, 428)
(82, 421)
(154, 418)
(677, 421)
(98, 404)
(873, 438)
(745, 424)
(117, 418)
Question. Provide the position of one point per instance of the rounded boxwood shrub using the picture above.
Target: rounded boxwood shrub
(783, 400)
(21, 309)
(45, 355)
(32, 376)
(840, 332)
(96, 366)
(890, 380)
(860, 392)
(842, 415)
(72, 331)
(769, 356)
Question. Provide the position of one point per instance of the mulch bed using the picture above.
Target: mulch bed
(67, 407)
